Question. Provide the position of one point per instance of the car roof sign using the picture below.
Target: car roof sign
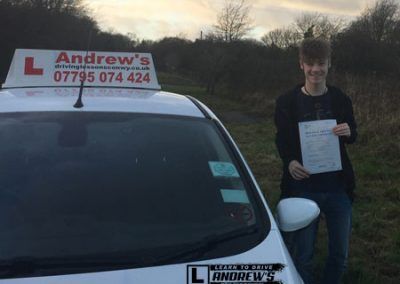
(56, 68)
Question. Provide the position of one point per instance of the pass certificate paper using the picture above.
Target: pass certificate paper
(319, 146)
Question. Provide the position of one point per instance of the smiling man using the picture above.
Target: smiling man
(332, 190)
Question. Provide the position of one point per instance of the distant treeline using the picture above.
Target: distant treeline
(51, 24)
(368, 45)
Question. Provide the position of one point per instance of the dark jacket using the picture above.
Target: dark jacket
(288, 140)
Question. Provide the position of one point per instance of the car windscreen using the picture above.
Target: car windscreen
(95, 191)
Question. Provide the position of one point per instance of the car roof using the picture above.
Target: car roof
(98, 100)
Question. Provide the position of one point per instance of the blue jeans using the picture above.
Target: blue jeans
(337, 210)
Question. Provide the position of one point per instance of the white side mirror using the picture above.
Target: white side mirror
(296, 213)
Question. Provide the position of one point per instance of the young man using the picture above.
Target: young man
(333, 190)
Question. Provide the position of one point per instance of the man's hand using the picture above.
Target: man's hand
(297, 171)
(342, 129)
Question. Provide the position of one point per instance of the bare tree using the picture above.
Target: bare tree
(382, 19)
(74, 6)
(318, 25)
(282, 38)
(306, 25)
(233, 21)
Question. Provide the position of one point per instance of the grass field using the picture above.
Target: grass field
(375, 241)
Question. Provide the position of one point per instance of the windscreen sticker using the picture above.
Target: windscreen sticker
(223, 169)
(235, 273)
(234, 196)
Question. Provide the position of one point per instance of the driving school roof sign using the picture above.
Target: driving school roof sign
(49, 68)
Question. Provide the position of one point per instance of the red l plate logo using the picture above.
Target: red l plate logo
(30, 69)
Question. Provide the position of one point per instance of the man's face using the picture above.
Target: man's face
(315, 71)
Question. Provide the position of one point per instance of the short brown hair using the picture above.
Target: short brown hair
(314, 49)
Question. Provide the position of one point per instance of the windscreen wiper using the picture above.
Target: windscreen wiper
(199, 248)
(19, 267)
(33, 266)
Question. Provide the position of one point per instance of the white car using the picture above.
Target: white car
(132, 186)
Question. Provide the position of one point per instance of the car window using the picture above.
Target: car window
(106, 184)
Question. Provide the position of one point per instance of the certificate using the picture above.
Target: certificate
(319, 146)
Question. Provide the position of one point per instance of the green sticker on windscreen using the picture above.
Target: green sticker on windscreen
(234, 196)
(223, 169)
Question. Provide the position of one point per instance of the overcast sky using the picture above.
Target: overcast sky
(155, 19)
